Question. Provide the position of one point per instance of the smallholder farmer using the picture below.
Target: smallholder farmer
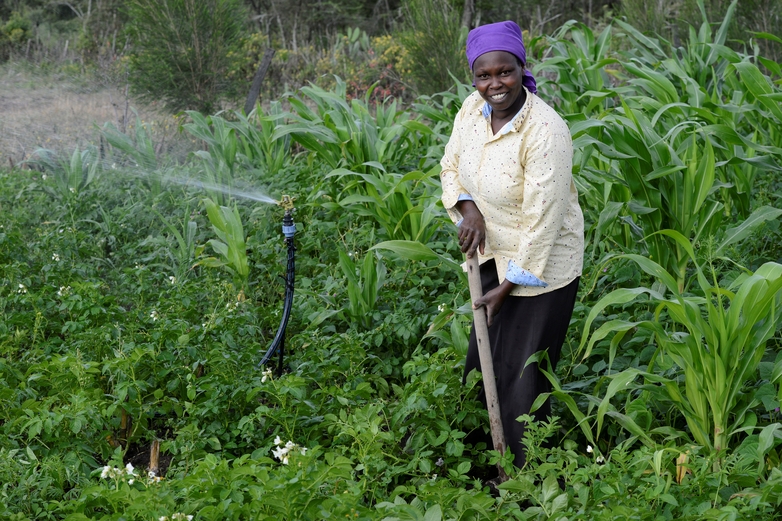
(507, 184)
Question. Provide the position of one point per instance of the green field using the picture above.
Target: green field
(141, 288)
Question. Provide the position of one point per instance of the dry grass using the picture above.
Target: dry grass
(60, 112)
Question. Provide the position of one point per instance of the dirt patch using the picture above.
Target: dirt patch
(54, 111)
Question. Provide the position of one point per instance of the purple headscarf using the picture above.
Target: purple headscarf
(502, 36)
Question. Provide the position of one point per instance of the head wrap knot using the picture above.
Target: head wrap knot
(501, 36)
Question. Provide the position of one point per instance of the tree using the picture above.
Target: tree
(467, 11)
(182, 50)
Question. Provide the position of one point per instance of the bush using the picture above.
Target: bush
(380, 63)
(14, 33)
(182, 50)
(365, 63)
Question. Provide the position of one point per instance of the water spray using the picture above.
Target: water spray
(288, 230)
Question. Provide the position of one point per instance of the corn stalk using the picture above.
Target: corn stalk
(230, 244)
(719, 341)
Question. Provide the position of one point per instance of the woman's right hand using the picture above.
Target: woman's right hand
(472, 230)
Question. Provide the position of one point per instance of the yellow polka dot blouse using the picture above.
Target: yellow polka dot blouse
(521, 180)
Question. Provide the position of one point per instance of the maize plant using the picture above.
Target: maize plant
(230, 244)
(717, 337)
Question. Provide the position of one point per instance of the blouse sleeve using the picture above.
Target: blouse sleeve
(453, 190)
(522, 277)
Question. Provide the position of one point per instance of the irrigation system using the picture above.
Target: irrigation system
(289, 231)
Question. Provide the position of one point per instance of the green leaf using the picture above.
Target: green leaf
(745, 229)
(632, 427)
(618, 383)
(766, 439)
(608, 216)
(76, 425)
(550, 489)
(668, 498)
(412, 250)
(620, 296)
(656, 83)
(560, 503)
(464, 467)
(31, 455)
(663, 171)
(703, 181)
(758, 85)
(375, 164)
(768, 36)
(434, 513)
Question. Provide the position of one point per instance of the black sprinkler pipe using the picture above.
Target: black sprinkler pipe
(288, 230)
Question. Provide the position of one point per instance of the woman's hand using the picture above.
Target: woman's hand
(493, 300)
(472, 230)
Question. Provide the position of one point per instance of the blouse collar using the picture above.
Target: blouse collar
(514, 124)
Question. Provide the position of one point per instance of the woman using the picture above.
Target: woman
(507, 184)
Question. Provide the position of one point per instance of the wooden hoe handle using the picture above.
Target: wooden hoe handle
(487, 366)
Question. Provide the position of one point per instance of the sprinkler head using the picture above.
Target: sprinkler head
(288, 226)
(286, 202)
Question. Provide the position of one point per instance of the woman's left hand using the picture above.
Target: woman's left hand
(493, 300)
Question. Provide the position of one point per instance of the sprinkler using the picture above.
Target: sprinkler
(288, 230)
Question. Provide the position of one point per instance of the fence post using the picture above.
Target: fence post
(255, 88)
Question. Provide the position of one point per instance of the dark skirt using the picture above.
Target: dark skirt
(524, 326)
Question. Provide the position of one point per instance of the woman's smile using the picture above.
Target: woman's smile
(498, 77)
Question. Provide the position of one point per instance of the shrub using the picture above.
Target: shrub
(366, 64)
(378, 64)
(181, 50)
(15, 32)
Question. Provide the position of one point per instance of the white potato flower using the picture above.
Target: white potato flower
(282, 452)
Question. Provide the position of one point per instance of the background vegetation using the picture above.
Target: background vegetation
(141, 282)
(409, 46)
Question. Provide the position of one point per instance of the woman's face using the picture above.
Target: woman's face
(498, 77)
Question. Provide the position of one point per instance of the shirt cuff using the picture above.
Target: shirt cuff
(522, 277)
(463, 197)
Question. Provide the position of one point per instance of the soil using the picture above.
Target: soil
(60, 112)
(138, 456)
